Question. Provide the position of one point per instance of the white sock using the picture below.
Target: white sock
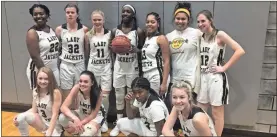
(119, 116)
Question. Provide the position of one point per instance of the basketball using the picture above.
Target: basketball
(121, 44)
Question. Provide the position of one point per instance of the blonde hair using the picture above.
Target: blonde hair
(92, 31)
(186, 85)
(52, 84)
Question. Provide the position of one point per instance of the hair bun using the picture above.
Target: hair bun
(184, 5)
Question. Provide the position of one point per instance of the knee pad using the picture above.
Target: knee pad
(119, 95)
(89, 130)
(63, 120)
(25, 117)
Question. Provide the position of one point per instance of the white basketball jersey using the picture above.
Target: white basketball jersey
(44, 106)
(211, 54)
(127, 63)
(49, 48)
(72, 44)
(151, 55)
(84, 106)
(148, 117)
(188, 127)
(100, 54)
(183, 48)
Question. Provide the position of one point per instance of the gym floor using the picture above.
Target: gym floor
(8, 129)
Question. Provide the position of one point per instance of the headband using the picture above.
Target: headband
(130, 6)
(183, 10)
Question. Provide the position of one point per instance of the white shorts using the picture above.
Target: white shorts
(123, 80)
(70, 74)
(214, 89)
(105, 82)
(135, 126)
(99, 119)
(31, 72)
(155, 79)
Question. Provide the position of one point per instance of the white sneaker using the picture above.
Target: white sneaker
(114, 132)
(104, 127)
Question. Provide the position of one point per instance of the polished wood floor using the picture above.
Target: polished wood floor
(8, 129)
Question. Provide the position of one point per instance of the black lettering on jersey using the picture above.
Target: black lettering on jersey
(147, 64)
(73, 57)
(143, 55)
(54, 47)
(100, 44)
(52, 38)
(43, 114)
(204, 60)
(72, 39)
(186, 130)
(42, 105)
(51, 56)
(73, 48)
(101, 61)
(205, 49)
(126, 59)
(85, 105)
(145, 45)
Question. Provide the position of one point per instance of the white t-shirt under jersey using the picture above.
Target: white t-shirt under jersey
(72, 44)
(49, 48)
(184, 57)
(100, 55)
(127, 63)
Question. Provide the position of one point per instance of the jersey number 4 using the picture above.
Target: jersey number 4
(73, 48)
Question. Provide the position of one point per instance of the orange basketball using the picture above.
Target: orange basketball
(121, 44)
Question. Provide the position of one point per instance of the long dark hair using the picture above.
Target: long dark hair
(157, 18)
(94, 91)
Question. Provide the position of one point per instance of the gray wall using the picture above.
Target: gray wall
(240, 20)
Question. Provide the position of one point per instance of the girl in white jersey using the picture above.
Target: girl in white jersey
(152, 111)
(126, 66)
(156, 55)
(73, 52)
(98, 41)
(194, 121)
(42, 44)
(184, 48)
(46, 104)
(88, 118)
(214, 85)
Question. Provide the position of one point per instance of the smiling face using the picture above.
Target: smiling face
(180, 98)
(97, 20)
(204, 24)
(85, 83)
(42, 80)
(71, 14)
(39, 16)
(181, 21)
(151, 24)
(127, 14)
